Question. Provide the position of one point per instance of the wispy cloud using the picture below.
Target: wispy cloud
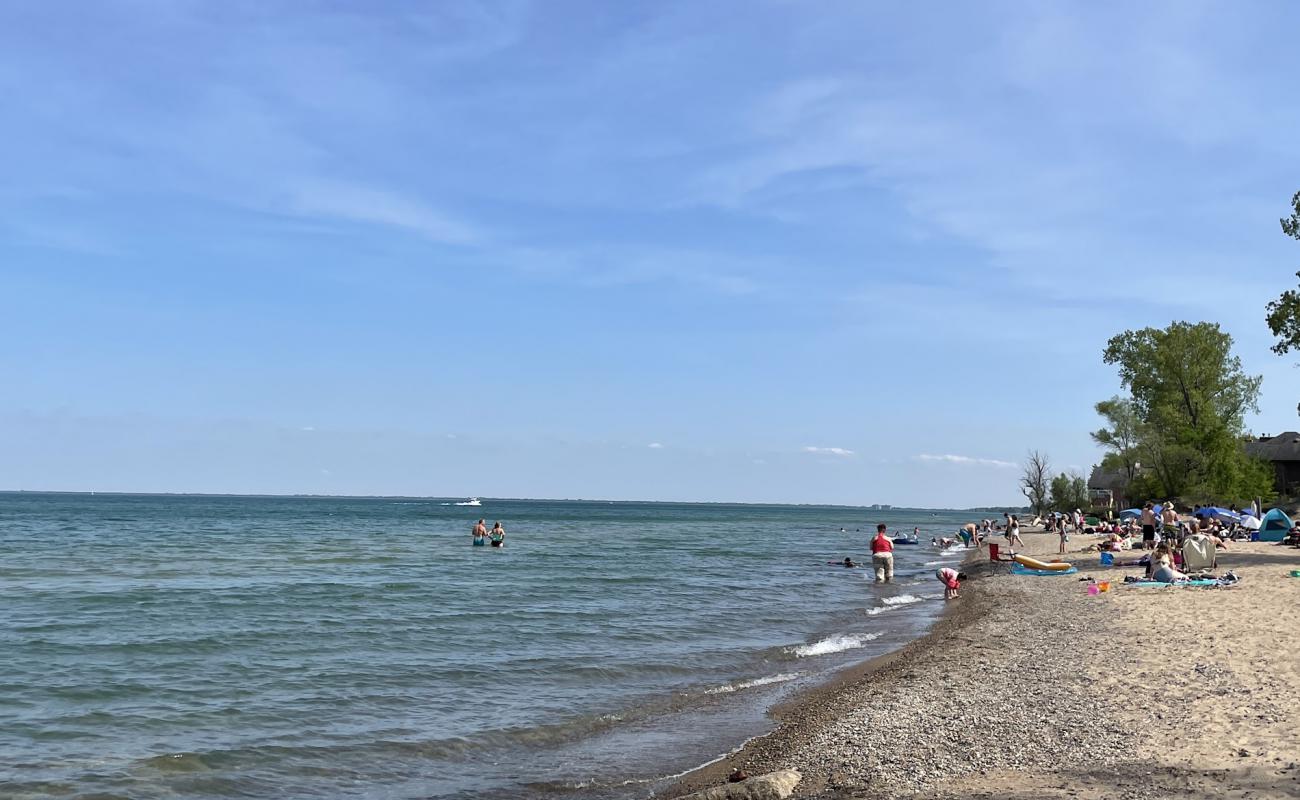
(365, 204)
(828, 451)
(655, 446)
(950, 458)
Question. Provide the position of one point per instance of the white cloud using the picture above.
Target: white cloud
(828, 451)
(655, 446)
(357, 203)
(950, 458)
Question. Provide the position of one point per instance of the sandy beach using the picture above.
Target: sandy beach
(1030, 688)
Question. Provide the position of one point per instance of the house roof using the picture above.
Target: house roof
(1113, 479)
(1283, 447)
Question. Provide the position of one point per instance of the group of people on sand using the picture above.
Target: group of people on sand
(481, 535)
(882, 562)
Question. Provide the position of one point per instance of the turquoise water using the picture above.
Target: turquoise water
(221, 647)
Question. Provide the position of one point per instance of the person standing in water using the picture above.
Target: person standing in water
(951, 580)
(498, 535)
(882, 555)
(480, 533)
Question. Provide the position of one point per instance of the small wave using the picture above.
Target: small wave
(770, 679)
(901, 600)
(834, 644)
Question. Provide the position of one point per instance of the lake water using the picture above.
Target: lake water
(222, 647)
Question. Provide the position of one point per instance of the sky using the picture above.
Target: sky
(831, 252)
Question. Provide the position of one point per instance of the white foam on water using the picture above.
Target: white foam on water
(770, 679)
(901, 600)
(835, 644)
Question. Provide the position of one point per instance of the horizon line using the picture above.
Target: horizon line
(308, 496)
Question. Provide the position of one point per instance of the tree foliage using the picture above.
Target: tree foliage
(1190, 396)
(1122, 437)
(1034, 481)
(1284, 312)
(1069, 492)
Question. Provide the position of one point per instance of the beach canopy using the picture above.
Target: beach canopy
(1130, 513)
(1276, 526)
(1250, 523)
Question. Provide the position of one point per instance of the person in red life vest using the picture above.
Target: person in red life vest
(951, 580)
(882, 555)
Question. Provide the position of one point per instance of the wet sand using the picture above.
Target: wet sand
(1030, 688)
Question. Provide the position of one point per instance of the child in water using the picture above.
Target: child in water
(951, 580)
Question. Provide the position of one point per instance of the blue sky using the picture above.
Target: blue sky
(758, 251)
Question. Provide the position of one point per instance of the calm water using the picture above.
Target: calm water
(202, 647)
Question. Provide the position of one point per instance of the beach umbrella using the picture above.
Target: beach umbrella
(1250, 523)
(1227, 516)
(1130, 513)
(1211, 511)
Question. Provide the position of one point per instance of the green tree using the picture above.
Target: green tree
(1284, 312)
(1068, 492)
(1122, 437)
(1034, 481)
(1190, 396)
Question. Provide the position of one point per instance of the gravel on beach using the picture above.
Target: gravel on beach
(1029, 687)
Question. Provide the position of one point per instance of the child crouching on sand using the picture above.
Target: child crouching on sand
(951, 580)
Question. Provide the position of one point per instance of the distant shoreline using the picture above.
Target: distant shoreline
(893, 509)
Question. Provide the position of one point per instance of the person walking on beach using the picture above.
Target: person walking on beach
(1148, 521)
(882, 555)
(1064, 535)
(1013, 531)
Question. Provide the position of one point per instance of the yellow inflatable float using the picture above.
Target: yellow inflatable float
(1048, 566)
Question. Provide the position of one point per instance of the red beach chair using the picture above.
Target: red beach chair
(996, 556)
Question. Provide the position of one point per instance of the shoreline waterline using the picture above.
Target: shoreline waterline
(1024, 690)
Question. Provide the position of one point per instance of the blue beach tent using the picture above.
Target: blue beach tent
(1130, 513)
(1276, 525)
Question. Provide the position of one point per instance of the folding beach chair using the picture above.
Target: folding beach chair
(1198, 554)
(995, 554)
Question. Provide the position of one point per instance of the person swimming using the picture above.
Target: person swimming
(848, 562)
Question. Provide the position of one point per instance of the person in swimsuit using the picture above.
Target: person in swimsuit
(498, 535)
(479, 533)
(1013, 531)
(1148, 520)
